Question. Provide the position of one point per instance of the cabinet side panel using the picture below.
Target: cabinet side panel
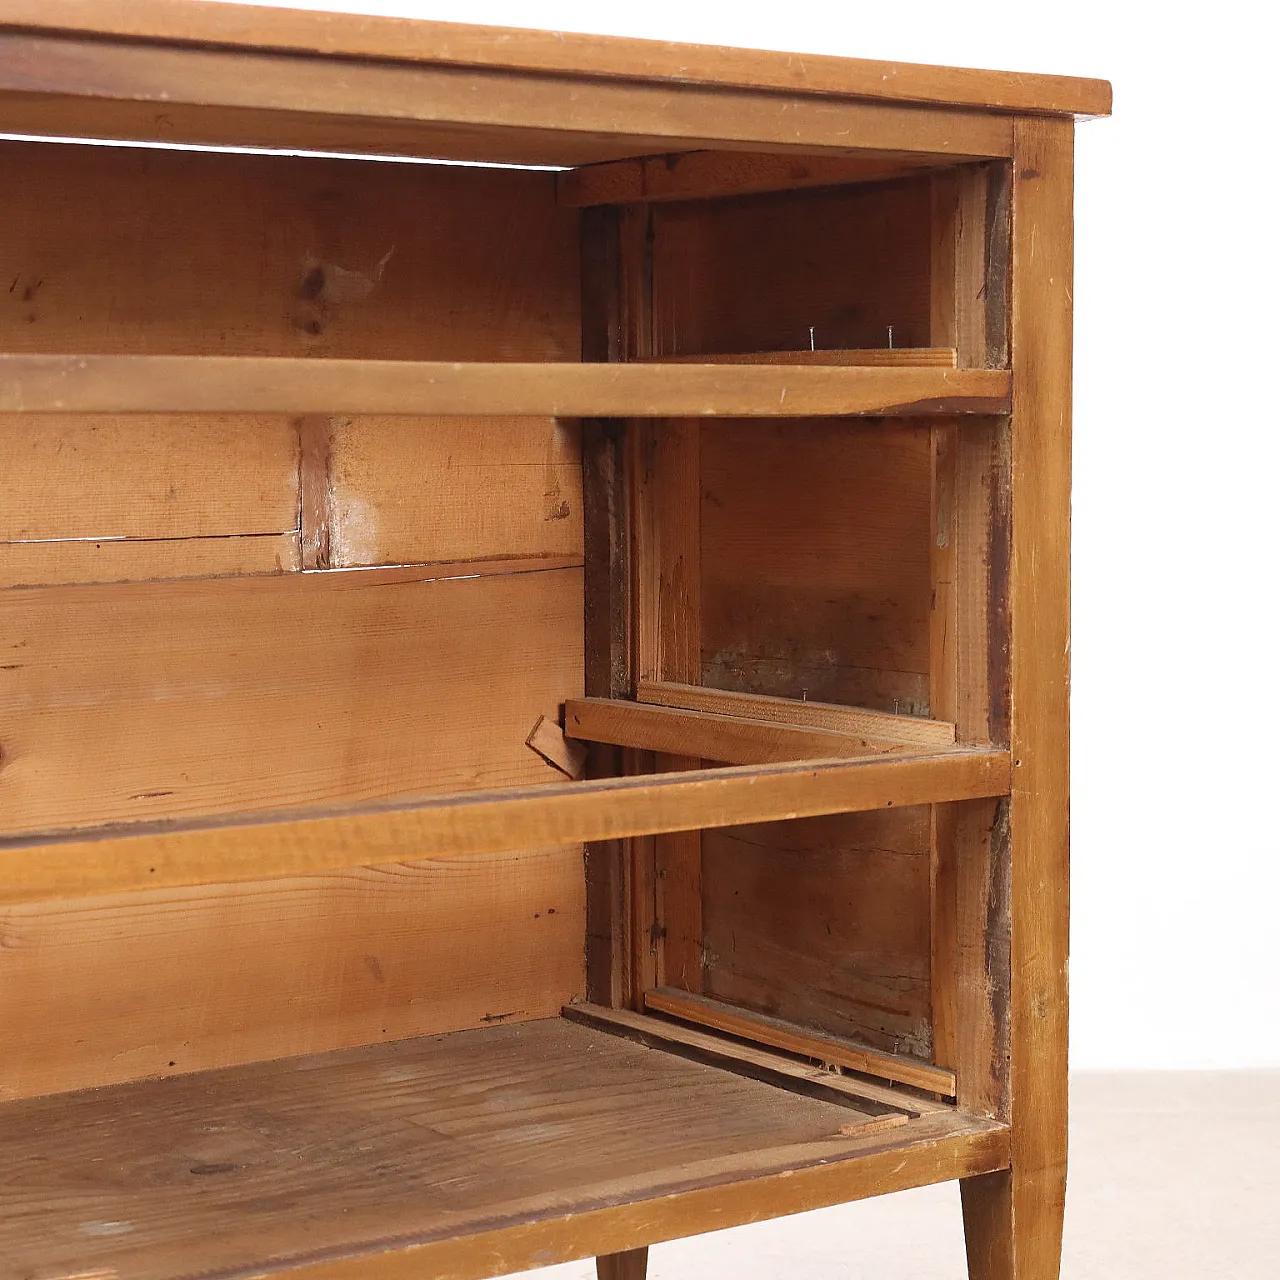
(825, 922)
(815, 562)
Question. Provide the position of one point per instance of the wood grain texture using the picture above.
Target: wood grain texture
(412, 490)
(160, 699)
(816, 552)
(173, 981)
(108, 499)
(472, 113)
(752, 1061)
(462, 44)
(632, 1265)
(117, 860)
(307, 257)
(705, 175)
(703, 735)
(33, 564)
(761, 1029)
(219, 384)
(502, 1128)
(1014, 1222)
(825, 922)
(913, 730)
(744, 275)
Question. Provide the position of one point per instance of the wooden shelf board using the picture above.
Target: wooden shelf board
(778, 1034)
(464, 1155)
(246, 384)
(263, 846)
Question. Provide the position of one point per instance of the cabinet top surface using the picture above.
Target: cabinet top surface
(400, 40)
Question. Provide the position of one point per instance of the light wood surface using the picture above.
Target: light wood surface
(857, 721)
(703, 735)
(559, 1134)
(218, 384)
(459, 44)
(167, 982)
(493, 822)
(154, 700)
(116, 251)
(762, 1029)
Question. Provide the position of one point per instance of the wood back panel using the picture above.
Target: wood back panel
(223, 691)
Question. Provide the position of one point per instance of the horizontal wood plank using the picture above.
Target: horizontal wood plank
(762, 1029)
(157, 700)
(704, 735)
(857, 721)
(422, 1157)
(228, 384)
(173, 981)
(62, 561)
(467, 45)
(533, 817)
(749, 1060)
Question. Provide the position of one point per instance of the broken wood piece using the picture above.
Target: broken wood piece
(548, 740)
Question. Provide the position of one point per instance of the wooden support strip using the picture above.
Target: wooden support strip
(728, 739)
(859, 358)
(703, 175)
(792, 1039)
(247, 384)
(883, 726)
(749, 1060)
(122, 859)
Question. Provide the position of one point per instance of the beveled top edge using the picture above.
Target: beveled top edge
(503, 48)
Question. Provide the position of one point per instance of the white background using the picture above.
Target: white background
(1176, 892)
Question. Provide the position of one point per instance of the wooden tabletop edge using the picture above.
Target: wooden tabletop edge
(392, 39)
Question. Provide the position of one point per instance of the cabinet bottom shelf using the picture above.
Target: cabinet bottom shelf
(464, 1155)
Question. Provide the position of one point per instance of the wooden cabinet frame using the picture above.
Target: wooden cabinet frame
(662, 150)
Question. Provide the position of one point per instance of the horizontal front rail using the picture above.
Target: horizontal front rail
(249, 384)
(108, 860)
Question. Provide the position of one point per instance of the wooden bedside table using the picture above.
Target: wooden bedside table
(533, 691)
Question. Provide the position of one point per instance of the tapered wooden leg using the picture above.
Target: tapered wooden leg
(1012, 1226)
(632, 1265)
